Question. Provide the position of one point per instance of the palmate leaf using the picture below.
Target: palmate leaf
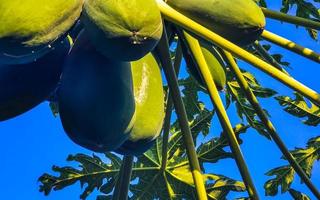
(262, 3)
(213, 150)
(279, 58)
(174, 182)
(284, 175)
(198, 115)
(92, 172)
(244, 108)
(200, 124)
(296, 195)
(190, 91)
(303, 9)
(298, 107)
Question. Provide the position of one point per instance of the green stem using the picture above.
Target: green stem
(291, 19)
(167, 121)
(123, 183)
(268, 124)
(175, 17)
(263, 52)
(199, 58)
(163, 51)
(291, 46)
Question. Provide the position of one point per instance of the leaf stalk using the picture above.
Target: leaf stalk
(291, 19)
(177, 18)
(268, 124)
(162, 50)
(199, 58)
(291, 46)
(169, 108)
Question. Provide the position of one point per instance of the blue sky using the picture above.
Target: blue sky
(32, 143)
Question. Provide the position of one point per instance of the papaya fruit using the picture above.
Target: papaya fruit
(29, 27)
(125, 30)
(214, 61)
(240, 21)
(24, 86)
(149, 101)
(137, 148)
(95, 98)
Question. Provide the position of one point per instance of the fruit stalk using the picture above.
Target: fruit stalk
(163, 51)
(199, 58)
(123, 183)
(291, 46)
(177, 18)
(268, 124)
(169, 108)
(291, 19)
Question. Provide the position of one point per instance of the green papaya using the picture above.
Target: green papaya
(240, 21)
(24, 86)
(29, 27)
(214, 61)
(130, 148)
(95, 98)
(125, 30)
(149, 101)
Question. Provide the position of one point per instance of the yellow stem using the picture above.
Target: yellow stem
(172, 15)
(208, 78)
(291, 19)
(291, 46)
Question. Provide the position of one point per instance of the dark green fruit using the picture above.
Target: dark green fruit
(96, 101)
(240, 21)
(24, 86)
(29, 27)
(135, 148)
(126, 30)
(149, 100)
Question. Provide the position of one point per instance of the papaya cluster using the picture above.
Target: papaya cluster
(94, 59)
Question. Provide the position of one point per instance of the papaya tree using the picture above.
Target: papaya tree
(153, 87)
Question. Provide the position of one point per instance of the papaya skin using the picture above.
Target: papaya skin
(95, 98)
(240, 21)
(214, 61)
(29, 26)
(25, 86)
(130, 148)
(125, 30)
(216, 66)
(149, 101)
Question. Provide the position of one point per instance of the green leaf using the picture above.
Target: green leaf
(54, 106)
(213, 150)
(284, 175)
(190, 91)
(303, 9)
(173, 182)
(298, 107)
(92, 172)
(298, 195)
(244, 108)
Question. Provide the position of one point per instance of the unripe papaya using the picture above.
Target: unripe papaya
(215, 63)
(29, 27)
(149, 101)
(240, 21)
(125, 30)
(130, 148)
(95, 98)
(24, 86)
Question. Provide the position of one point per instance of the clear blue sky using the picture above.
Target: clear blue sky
(32, 143)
